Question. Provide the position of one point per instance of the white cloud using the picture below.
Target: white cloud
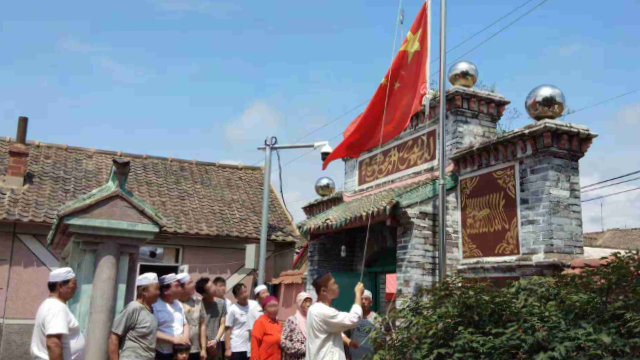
(75, 46)
(104, 60)
(256, 122)
(231, 162)
(218, 9)
(123, 73)
(569, 49)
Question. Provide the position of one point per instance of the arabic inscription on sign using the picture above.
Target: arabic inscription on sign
(403, 156)
(489, 210)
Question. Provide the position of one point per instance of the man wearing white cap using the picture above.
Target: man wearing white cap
(173, 328)
(360, 343)
(194, 312)
(255, 309)
(133, 334)
(56, 333)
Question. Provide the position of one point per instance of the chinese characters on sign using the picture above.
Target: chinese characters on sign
(405, 155)
(489, 210)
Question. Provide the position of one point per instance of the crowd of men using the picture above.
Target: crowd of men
(168, 321)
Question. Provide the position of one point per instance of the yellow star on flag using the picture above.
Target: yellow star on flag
(396, 85)
(412, 44)
(384, 81)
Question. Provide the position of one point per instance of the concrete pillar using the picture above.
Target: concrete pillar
(103, 300)
(132, 276)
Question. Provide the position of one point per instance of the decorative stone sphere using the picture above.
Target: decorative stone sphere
(463, 73)
(325, 186)
(545, 102)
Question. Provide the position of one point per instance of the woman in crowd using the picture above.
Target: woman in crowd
(266, 333)
(294, 333)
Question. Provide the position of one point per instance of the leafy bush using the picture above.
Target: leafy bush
(594, 315)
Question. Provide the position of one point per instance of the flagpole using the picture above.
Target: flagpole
(442, 251)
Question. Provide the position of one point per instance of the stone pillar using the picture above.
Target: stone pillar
(103, 300)
(132, 276)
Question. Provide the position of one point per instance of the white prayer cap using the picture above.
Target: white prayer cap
(61, 274)
(259, 288)
(183, 278)
(368, 293)
(147, 279)
(167, 279)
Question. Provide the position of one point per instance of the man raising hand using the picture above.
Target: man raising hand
(326, 324)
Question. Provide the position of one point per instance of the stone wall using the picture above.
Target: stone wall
(324, 253)
(417, 250)
(550, 209)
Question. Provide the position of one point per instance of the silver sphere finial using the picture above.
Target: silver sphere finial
(545, 102)
(325, 186)
(463, 73)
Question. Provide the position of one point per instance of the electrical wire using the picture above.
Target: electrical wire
(498, 32)
(453, 48)
(609, 185)
(280, 181)
(602, 102)
(485, 28)
(613, 178)
(612, 194)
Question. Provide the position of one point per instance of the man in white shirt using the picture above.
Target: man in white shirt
(237, 338)
(326, 324)
(255, 309)
(56, 333)
(173, 328)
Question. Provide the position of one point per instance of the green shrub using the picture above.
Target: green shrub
(594, 315)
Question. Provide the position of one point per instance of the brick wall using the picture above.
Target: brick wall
(550, 210)
(417, 250)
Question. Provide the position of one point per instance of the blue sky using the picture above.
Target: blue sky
(210, 79)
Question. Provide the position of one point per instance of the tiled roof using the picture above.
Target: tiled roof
(377, 204)
(289, 277)
(624, 239)
(579, 265)
(193, 198)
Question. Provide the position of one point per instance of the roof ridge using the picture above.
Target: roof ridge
(135, 156)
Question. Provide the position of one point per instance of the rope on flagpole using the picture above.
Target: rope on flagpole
(399, 17)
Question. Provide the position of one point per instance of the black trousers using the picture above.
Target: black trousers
(239, 356)
(194, 356)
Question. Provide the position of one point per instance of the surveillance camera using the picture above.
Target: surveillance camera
(325, 151)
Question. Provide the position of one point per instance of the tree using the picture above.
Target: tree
(594, 315)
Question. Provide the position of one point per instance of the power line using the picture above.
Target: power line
(608, 195)
(609, 185)
(603, 102)
(501, 30)
(485, 28)
(607, 180)
(451, 49)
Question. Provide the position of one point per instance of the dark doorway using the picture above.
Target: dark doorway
(158, 269)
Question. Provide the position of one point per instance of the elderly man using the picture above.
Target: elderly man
(133, 333)
(360, 344)
(56, 333)
(173, 328)
(326, 324)
(194, 312)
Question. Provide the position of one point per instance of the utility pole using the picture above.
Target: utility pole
(601, 218)
(270, 144)
(442, 251)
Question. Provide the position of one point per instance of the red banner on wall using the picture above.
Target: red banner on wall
(489, 214)
(403, 156)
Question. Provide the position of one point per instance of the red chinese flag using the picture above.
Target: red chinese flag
(401, 89)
